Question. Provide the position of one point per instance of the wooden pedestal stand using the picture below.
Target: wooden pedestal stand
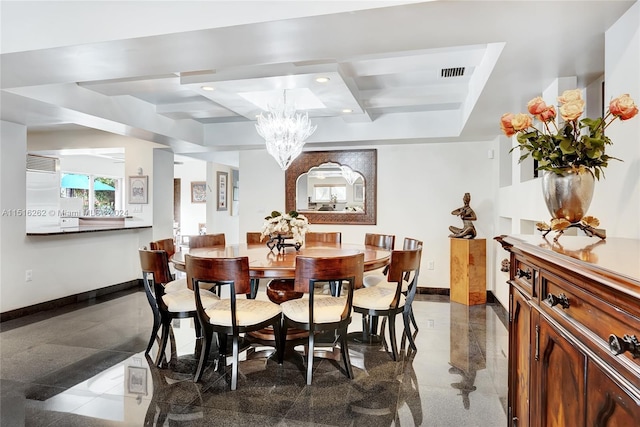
(468, 271)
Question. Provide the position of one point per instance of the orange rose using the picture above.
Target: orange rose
(547, 115)
(570, 95)
(521, 121)
(571, 110)
(536, 106)
(505, 124)
(623, 107)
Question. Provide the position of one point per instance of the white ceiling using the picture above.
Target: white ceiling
(383, 63)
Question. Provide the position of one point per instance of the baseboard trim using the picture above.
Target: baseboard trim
(433, 291)
(491, 298)
(71, 299)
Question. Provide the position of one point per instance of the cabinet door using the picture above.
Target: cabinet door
(519, 358)
(560, 379)
(608, 404)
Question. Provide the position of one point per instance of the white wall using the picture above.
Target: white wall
(222, 221)
(162, 194)
(190, 170)
(418, 187)
(68, 264)
(616, 200)
(91, 165)
(618, 196)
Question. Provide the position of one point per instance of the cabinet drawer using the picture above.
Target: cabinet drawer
(594, 318)
(525, 275)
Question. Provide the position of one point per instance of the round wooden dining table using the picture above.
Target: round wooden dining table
(267, 264)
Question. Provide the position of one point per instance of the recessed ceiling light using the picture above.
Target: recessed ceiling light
(347, 110)
(207, 88)
(322, 79)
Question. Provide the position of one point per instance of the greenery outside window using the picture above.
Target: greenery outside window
(101, 195)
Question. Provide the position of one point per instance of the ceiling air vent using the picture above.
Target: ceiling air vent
(452, 72)
(42, 163)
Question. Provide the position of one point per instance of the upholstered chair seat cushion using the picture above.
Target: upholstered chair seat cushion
(376, 297)
(248, 312)
(373, 279)
(392, 285)
(176, 285)
(326, 309)
(185, 300)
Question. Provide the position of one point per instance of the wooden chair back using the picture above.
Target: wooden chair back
(327, 269)
(207, 240)
(403, 264)
(323, 237)
(155, 262)
(233, 271)
(253, 238)
(384, 241)
(167, 245)
(410, 243)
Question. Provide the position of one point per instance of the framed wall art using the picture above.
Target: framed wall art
(136, 380)
(198, 192)
(139, 189)
(222, 199)
(358, 192)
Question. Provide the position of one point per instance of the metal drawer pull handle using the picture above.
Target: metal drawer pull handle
(560, 299)
(522, 273)
(628, 343)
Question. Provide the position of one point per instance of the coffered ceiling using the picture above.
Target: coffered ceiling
(441, 71)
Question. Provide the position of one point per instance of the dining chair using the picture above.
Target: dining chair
(165, 305)
(254, 238)
(230, 316)
(206, 240)
(334, 237)
(168, 245)
(371, 278)
(411, 243)
(319, 313)
(388, 300)
(323, 237)
(382, 241)
(374, 279)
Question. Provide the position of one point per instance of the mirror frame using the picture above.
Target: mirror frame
(364, 162)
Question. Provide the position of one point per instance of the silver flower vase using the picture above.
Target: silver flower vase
(568, 195)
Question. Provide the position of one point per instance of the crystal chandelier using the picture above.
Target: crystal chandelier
(349, 174)
(284, 131)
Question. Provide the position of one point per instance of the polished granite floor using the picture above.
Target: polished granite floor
(84, 365)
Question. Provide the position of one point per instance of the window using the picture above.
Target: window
(330, 193)
(99, 195)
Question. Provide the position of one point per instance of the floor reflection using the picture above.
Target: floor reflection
(467, 349)
(86, 367)
(382, 400)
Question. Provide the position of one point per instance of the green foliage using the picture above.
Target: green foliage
(572, 147)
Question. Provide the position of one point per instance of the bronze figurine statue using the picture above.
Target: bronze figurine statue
(468, 231)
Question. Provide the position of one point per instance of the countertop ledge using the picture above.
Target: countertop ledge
(53, 231)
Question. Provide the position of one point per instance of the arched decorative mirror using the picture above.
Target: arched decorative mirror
(333, 187)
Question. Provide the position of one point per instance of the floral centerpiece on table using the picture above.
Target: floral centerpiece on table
(574, 150)
(278, 224)
(575, 144)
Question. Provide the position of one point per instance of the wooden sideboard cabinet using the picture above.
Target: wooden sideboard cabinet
(574, 327)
